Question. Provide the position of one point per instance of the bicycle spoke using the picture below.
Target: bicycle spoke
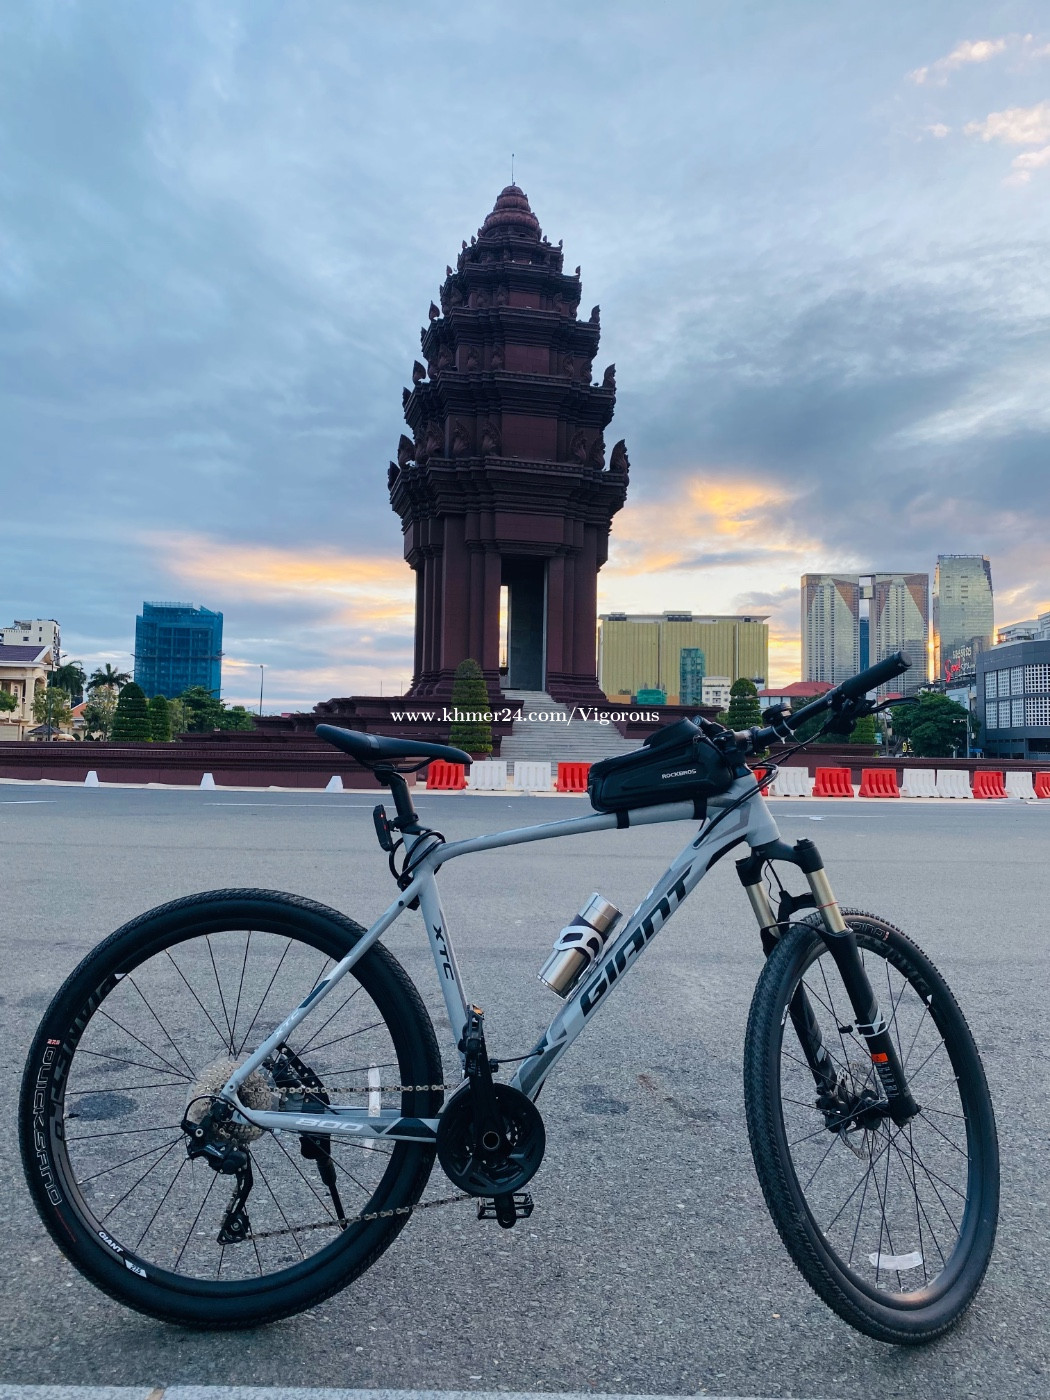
(258, 1009)
(196, 998)
(160, 1023)
(218, 988)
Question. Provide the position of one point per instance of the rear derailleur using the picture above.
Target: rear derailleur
(490, 1138)
(209, 1136)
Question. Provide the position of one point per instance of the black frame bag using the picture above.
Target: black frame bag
(675, 764)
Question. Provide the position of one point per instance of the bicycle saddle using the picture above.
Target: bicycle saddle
(373, 749)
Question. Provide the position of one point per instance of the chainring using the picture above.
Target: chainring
(512, 1164)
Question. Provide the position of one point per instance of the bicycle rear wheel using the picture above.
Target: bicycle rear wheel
(893, 1226)
(151, 1022)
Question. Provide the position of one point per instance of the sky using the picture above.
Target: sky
(817, 233)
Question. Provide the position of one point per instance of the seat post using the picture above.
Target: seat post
(407, 816)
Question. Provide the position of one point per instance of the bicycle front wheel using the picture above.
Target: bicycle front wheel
(893, 1226)
(149, 1025)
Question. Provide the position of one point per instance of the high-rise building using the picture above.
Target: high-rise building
(644, 651)
(178, 646)
(900, 621)
(691, 669)
(963, 614)
(830, 627)
(36, 631)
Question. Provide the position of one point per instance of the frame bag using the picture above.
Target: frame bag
(675, 764)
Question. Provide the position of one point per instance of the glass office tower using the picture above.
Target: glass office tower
(963, 614)
(178, 646)
(830, 627)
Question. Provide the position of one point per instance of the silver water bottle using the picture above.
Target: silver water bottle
(579, 944)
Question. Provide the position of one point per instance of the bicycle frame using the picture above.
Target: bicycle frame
(750, 822)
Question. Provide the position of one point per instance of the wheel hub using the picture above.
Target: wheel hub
(257, 1091)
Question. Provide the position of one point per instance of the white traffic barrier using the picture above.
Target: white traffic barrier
(488, 775)
(207, 781)
(919, 782)
(92, 779)
(953, 782)
(532, 777)
(792, 782)
(334, 784)
(1020, 785)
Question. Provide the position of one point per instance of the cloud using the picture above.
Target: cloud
(1016, 126)
(969, 51)
(1025, 163)
(938, 130)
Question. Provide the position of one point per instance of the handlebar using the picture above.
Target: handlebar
(845, 694)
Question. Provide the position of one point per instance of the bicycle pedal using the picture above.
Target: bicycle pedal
(506, 1209)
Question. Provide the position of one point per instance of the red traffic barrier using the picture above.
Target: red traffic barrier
(988, 784)
(759, 773)
(1042, 783)
(879, 782)
(572, 777)
(447, 777)
(832, 782)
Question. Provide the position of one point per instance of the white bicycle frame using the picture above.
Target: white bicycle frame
(750, 822)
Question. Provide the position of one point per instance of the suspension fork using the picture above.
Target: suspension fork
(869, 1019)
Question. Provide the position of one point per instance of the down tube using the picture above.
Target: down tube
(751, 822)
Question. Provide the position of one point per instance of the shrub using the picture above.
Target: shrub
(160, 720)
(744, 709)
(470, 697)
(131, 722)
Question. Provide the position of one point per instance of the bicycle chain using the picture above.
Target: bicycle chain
(361, 1219)
(366, 1216)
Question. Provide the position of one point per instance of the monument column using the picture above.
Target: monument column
(504, 481)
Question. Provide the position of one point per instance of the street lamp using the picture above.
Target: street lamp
(262, 669)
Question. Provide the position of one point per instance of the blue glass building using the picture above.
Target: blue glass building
(178, 646)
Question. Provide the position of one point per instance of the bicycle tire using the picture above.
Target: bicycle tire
(877, 1290)
(134, 957)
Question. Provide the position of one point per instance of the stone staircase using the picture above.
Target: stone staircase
(558, 739)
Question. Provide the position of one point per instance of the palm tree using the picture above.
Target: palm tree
(69, 676)
(108, 678)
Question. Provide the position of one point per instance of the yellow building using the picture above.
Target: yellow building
(23, 671)
(643, 651)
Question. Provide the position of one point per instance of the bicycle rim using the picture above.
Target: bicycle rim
(159, 1032)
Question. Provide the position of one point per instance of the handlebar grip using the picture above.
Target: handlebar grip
(874, 676)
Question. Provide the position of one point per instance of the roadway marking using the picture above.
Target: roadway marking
(247, 1392)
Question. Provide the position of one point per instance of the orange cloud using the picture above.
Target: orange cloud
(712, 518)
(360, 590)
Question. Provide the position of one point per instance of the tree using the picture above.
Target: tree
(108, 678)
(864, 731)
(236, 717)
(160, 720)
(470, 697)
(71, 678)
(744, 709)
(203, 712)
(131, 722)
(177, 717)
(51, 707)
(933, 727)
(8, 701)
(98, 713)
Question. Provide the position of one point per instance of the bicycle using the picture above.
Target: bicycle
(170, 1049)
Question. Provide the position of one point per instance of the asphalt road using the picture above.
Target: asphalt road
(650, 1264)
